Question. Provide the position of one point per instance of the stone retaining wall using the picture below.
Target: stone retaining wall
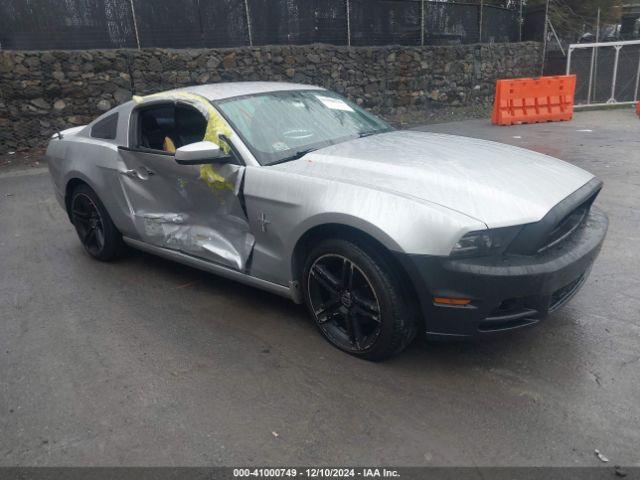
(45, 91)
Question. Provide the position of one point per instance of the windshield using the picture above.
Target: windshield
(282, 126)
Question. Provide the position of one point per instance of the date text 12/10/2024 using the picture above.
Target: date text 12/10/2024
(315, 472)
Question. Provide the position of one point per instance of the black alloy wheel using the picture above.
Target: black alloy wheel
(357, 300)
(344, 302)
(99, 236)
(85, 216)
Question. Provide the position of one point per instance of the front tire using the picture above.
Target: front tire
(98, 235)
(356, 299)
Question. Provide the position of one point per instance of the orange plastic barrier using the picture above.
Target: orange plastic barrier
(534, 100)
(638, 108)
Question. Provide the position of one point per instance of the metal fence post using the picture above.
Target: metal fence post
(480, 22)
(135, 23)
(348, 23)
(635, 95)
(422, 23)
(595, 62)
(521, 22)
(544, 39)
(615, 74)
(569, 60)
(593, 59)
(246, 11)
(553, 31)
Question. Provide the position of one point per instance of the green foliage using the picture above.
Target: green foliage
(580, 11)
(572, 18)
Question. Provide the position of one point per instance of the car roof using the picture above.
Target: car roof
(220, 91)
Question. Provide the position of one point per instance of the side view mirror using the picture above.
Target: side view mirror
(201, 153)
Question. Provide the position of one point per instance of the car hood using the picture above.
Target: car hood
(497, 184)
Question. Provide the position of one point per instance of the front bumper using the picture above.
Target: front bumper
(507, 292)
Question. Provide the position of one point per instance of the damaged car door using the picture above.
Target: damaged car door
(196, 208)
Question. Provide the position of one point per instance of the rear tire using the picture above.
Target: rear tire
(98, 235)
(356, 299)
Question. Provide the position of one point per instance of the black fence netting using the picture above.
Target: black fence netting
(297, 22)
(190, 23)
(68, 24)
(627, 76)
(385, 22)
(581, 64)
(533, 25)
(447, 23)
(500, 24)
(83, 24)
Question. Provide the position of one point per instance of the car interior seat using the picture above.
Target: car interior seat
(157, 128)
(151, 135)
(190, 126)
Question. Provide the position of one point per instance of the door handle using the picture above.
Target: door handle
(129, 173)
(143, 174)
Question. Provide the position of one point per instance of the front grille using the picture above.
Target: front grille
(566, 226)
(559, 224)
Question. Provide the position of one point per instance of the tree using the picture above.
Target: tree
(573, 18)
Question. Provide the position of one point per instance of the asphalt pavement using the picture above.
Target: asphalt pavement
(146, 362)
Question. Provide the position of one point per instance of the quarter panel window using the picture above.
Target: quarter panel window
(106, 128)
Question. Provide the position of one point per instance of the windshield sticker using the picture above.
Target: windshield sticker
(334, 103)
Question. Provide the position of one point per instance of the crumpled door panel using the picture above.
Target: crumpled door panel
(193, 209)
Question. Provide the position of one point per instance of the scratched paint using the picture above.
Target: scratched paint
(162, 225)
(176, 231)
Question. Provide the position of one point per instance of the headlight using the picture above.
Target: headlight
(484, 242)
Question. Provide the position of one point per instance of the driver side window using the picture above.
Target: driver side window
(169, 126)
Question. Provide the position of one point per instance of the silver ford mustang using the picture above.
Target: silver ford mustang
(294, 189)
